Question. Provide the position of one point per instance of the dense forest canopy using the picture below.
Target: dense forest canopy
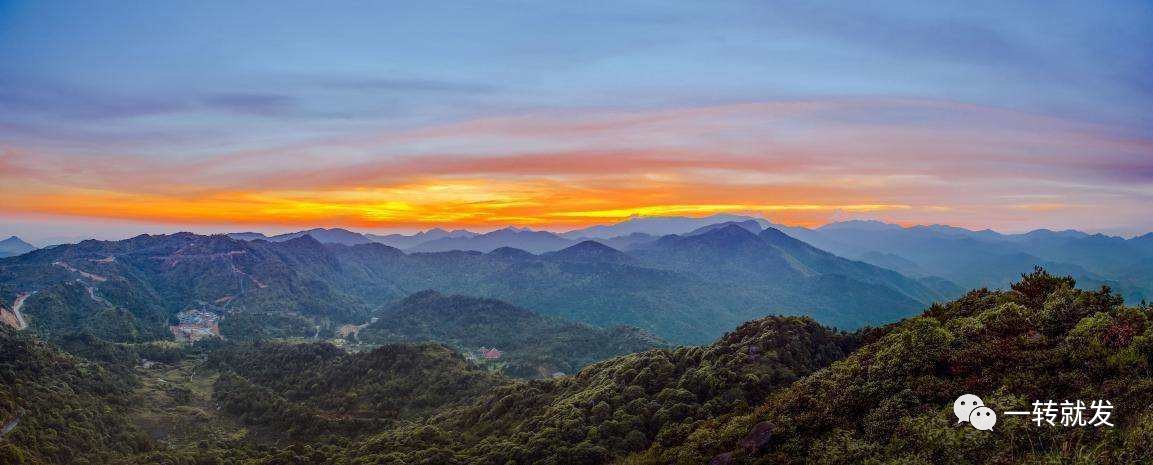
(774, 390)
(531, 345)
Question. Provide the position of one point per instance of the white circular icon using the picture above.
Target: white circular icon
(965, 405)
(983, 418)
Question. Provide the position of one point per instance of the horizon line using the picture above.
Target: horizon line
(224, 229)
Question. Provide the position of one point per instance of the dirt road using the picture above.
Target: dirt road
(20, 322)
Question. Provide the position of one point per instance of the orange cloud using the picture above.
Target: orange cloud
(798, 162)
(438, 201)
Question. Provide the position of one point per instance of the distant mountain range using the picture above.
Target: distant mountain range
(402, 241)
(623, 235)
(945, 258)
(327, 236)
(524, 239)
(655, 226)
(686, 289)
(974, 259)
(13, 246)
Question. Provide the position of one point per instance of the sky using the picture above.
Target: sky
(124, 117)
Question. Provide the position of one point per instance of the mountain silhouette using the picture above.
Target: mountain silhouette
(14, 246)
(402, 241)
(524, 239)
(589, 251)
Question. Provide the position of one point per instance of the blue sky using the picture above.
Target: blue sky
(180, 81)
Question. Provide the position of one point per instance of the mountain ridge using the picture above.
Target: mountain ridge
(301, 283)
(528, 240)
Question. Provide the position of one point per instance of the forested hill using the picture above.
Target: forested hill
(128, 291)
(532, 345)
(56, 408)
(619, 406)
(310, 390)
(774, 390)
(891, 401)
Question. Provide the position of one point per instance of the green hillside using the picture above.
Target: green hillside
(531, 345)
(62, 409)
(891, 400)
(616, 407)
(312, 390)
(774, 390)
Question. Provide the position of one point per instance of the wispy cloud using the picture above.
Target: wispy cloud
(384, 84)
(26, 98)
(803, 162)
(250, 103)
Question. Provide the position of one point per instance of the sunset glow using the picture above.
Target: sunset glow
(337, 138)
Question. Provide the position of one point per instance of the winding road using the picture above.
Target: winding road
(20, 322)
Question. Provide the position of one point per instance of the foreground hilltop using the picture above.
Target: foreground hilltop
(886, 395)
(775, 390)
(891, 400)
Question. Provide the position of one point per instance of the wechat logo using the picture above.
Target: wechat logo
(969, 408)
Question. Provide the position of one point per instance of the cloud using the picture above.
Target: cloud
(249, 103)
(940, 36)
(798, 161)
(378, 84)
(822, 138)
(28, 99)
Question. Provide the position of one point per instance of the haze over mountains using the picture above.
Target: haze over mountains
(973, 259)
